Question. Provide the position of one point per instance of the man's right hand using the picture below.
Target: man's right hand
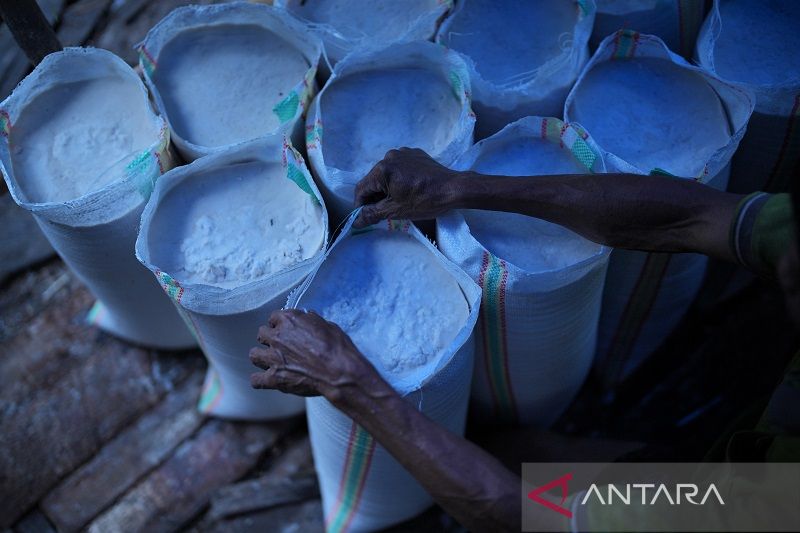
(406, 184)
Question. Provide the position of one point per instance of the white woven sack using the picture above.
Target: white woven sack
(240, 101)
(363, 487)
(95, 232)
(764, 32)
(346, 26)
(226, 319)
(414, 94)
(646, 295)
(523, 57)
(676, 22)
(537, 330)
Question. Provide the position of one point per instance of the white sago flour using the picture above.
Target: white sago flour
(368, 113)
(66, 139)
(219, 83)
(529, 243)
(500, 41)
(395, 300)
(236, 224)
(759, 42)
(359, 20)
(652, 114)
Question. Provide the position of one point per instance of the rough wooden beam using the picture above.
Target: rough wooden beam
(306, 516)
(125, 459)
(180, 488)
(34, 522)
(48, 435)
(290, 480)
(30, 28)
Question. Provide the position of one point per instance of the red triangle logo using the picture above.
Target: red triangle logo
(560, 482)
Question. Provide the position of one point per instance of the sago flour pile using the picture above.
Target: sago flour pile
(388, 292)
(368, 113)
(509, 41)
(67, 138)
(219, 83)
(529, 243)
(230, 226)
(359, 20)
(652, 113)
(760, 41)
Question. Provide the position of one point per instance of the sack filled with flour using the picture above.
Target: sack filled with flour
(756, 44)
(224, 74)
(676, 22)
(542, 284)
(411, 312)
(81, 149)
(228, 237)
(523, 57)
(346, 26)
(652, 112)
(414, 95)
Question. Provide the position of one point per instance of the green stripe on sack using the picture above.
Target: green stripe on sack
(625, 44)
(148, 63)
(287, 108)
(170, 285)
(212, 393)
(294, 173)
(359, 456)
(493, 280)
(5, 123)
(583, 153)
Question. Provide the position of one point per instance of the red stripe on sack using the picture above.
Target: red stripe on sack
(502, 300)
(561, 134)
(6, 116)
(160, 165)
(349, 457)
(484, 331)
(544, 128)
(149, 57)
(785, 145)
(361, 484)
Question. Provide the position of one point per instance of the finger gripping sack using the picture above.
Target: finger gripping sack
(411, 313)
(414, 95)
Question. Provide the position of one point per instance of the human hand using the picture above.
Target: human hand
(406, 184)
(304, 354)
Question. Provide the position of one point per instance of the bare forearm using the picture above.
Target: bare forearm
(471, 485)
(652, 213)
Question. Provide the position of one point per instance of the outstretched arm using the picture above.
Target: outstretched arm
(631, 211)
(304, 354)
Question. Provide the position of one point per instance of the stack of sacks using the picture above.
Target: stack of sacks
(756, 43)
(346, 26)
(411, 313)
(676, 22)
(523, 56)
(413, 94)
(651, 112)
(228, 73)
(228, 237)
(81, 149)
(542, 284)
